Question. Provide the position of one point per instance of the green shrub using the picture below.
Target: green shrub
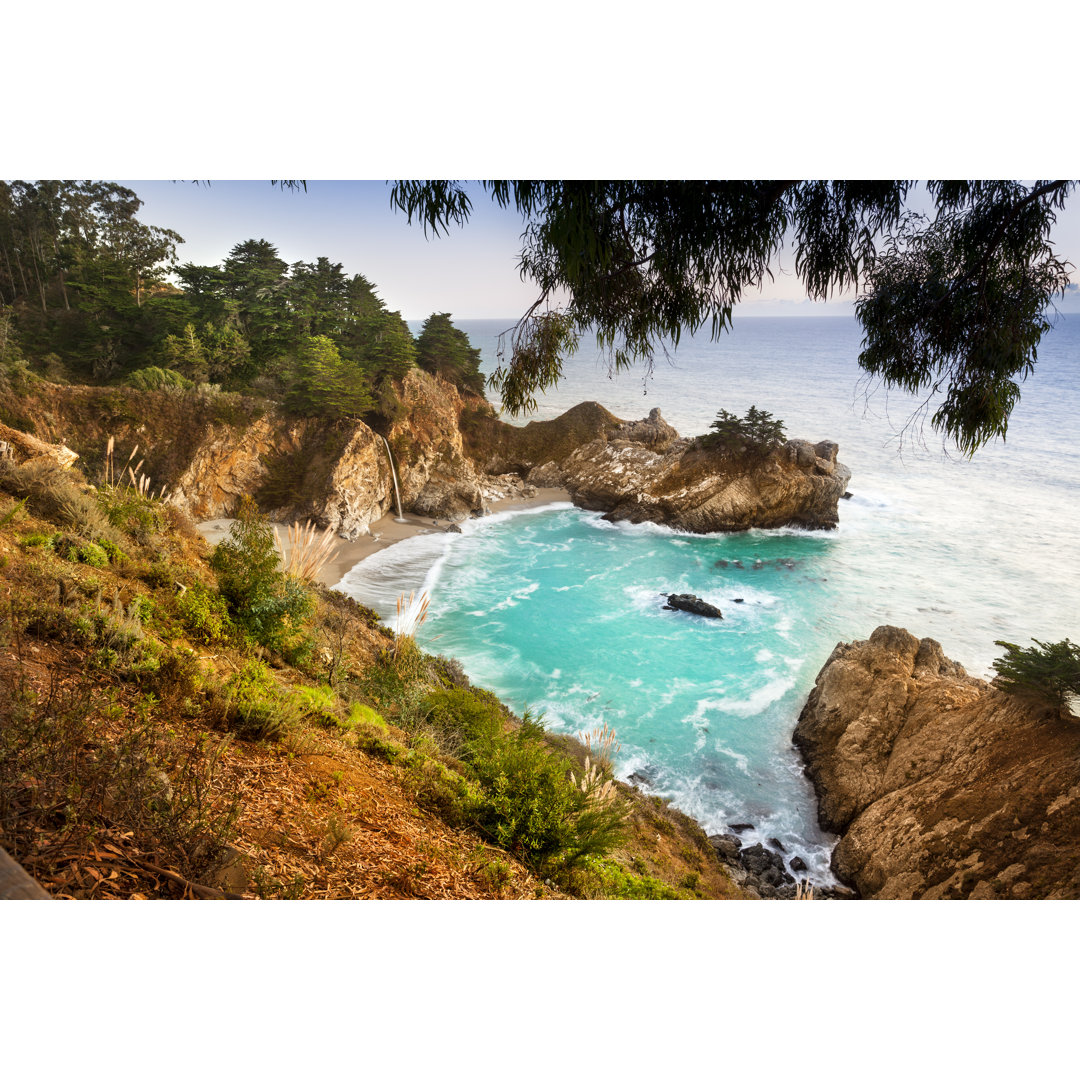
(268, 605)
(254, 706)
(319, 703)
(605, 878)
(156, 378)
(139, 516)
(534, 809)
(444, 792)
(205, 615)
(1050, 670)
(92, 554)
(462, 721)
(365, 714)
(42, 540)
(755, 434)
(114, 552)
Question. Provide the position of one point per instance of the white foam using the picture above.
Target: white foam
(517, 596)
(758, 701)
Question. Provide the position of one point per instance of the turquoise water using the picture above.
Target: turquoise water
(561, 612)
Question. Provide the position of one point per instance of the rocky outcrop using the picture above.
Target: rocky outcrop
(693, 604)
(437, 477)
(762, 873)
(698, 490)
(453, 456)
(642, 471)
(20, 447)
(229, 463)
(939, 784)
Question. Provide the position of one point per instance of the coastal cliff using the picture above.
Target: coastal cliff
(452, 456)
(940, 785)
(643, 471)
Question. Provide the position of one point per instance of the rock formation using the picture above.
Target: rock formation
(642, 471)
(229, 463)
(453, 456)
(20, 447)
(693, 604)
(939, 784)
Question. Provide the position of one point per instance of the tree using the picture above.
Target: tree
(444, 350)
(952, 303)
(326, 385)
(255, 277)
(266, 603)
(1049, 669)
(756, 434)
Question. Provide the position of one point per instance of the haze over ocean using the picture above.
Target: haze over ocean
(561, 612)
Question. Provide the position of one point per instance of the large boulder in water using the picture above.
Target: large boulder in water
(939, 784)
(690, 487)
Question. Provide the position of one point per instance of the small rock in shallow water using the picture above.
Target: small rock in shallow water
(741, 827)
(797, 865)
(774, 843)
(693, 604)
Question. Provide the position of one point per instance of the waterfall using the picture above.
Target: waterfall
(393, 474)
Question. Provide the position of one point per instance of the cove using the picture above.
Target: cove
(560, 612)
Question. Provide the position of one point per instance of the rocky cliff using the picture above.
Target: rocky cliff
(452, 456)
(642, 471)
(939, 784)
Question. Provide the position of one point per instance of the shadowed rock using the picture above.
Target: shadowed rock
(693, 604)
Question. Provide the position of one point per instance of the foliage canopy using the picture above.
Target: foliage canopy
(1050, 669)
(954, 303)
(756, 433)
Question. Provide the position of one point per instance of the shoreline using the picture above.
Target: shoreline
(383, 533)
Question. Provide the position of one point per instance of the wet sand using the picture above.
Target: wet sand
(384, 532)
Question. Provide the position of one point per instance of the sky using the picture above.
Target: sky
(470, 272)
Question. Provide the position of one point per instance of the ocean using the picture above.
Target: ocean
(560, 612)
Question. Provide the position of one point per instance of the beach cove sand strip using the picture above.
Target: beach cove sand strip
(383, 533)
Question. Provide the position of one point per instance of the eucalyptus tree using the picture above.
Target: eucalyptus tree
(952, 302)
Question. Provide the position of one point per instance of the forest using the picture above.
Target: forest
(91, 294)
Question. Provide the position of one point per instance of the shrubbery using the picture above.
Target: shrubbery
(156, 378)
(1050, 669)
(757, 433)
(267, 604)
(532, 804)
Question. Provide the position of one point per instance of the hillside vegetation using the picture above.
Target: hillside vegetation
(181, 723)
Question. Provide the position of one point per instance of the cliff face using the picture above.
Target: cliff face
(940, 785)
(437, 477)
(642, 471)
(451, 453)
(228, 464)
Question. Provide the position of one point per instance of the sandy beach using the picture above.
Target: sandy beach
(384, 532)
